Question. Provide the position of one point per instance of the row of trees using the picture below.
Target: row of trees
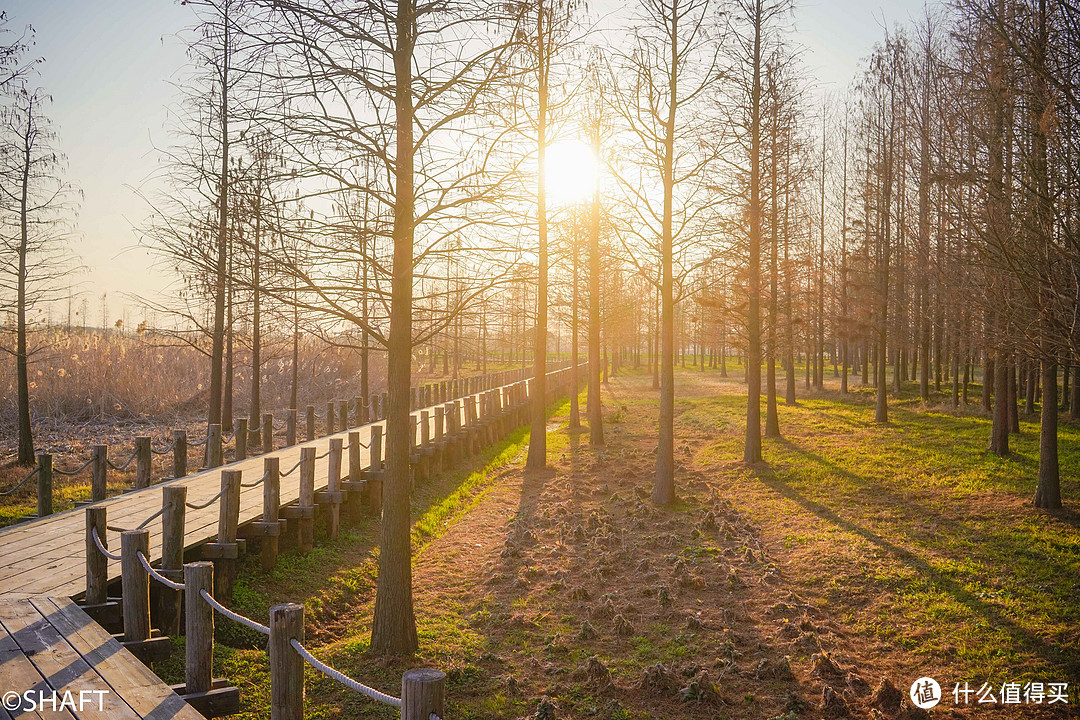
(375, 175)
(387, 182)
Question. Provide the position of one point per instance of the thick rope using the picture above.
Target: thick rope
(196, 443)
(60, 471)
(166, 450)
(254, 483)
(149, 520)
(341, 678)
(100, 547)
(206, 504)
(233, 616)
(114, 466)
(157, 576)
(293, 468)
(21, 482)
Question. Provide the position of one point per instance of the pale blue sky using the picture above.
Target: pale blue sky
(109, 65)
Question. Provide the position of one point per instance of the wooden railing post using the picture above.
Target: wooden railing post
(330, 417)
(179, 453)
(198, 627)
(214, 455)
(440, 437)
(240, 434)
(97, 565)
(362, 411)
(374, 474)
(270, 526)
(332, 497)
(306, 535)
(426, 451)
(267, 432)
(290, 427)
(44, 485)
(343, 415)
(354, 486)
(309, 412)
(286, 665)
(423, 694)
(414, 450)
(99, 472)
(136, 585)
(143, 462)
(167, 600)
(226, 551)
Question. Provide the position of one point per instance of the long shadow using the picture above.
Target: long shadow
(1022, 637)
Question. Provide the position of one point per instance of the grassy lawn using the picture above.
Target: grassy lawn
(929, 543)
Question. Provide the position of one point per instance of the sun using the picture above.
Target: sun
(571, 172)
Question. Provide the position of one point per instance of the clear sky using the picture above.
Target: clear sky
(109, 65)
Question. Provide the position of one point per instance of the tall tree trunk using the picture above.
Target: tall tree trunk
(255, 412)
(217, 350)
(537, 457)
(999, 430)
(594, 406)
(393, 628)
(772, 420)
(1048, 489)
(664, 485)
(575, 412)
(752, 446)
(22, 353)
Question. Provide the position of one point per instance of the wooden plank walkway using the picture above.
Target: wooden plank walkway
(48, 645)
(47, 556)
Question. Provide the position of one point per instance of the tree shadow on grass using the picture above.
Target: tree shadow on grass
(1021, 637)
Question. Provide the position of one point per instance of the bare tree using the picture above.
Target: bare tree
(36, 210)
(661, 88)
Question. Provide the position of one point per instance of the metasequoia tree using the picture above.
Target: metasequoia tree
(661, 87)
(542, 38)
(192, 226)
(755, 35)
(397, 85)
(36, 210)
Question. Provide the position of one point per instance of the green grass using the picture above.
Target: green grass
(338, 578)
(976, 579)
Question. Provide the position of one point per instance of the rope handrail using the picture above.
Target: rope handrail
(255, 482)
(22, 482)
(320, 457)
(164, 451)
(280, 425)
(127, 462)
(100, 546)
(233, 616)
(206, 504)
(158, 576)
(61, 471)
(342, 678)
(200, 442)
(150, 519)
(226, 439)
(292, 469)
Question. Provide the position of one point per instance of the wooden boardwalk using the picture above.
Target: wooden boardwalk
(47, 556)
(73, 669)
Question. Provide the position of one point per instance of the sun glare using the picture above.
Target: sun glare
(571, 172)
